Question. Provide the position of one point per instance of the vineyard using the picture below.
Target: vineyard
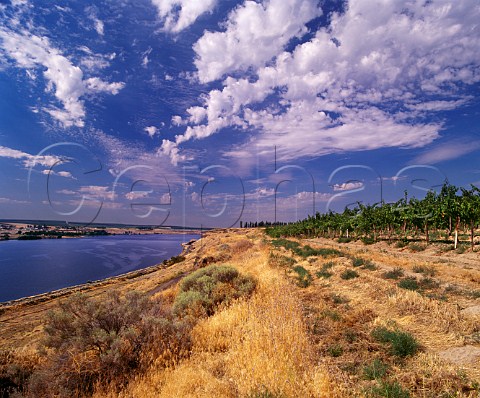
(439, 217)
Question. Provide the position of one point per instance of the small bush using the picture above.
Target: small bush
(376, 370)
(333, 315)
(287, 244)
(328, 265)
(389, 390)
(339, 299)
(423, 269)
(357, 261)
(323, 274)
(281, 261)
(241, 246)
(474, 294)
(461, 249)
(415, 247)
(344, 240)
(304, 278)
(428, 283)
(401, 244)
(205, 289)
(350, 336)
(370, 266)
(409, 284)
(368, 240)
(402, 344)
(393, 274)
(349, 274)
(335, 350)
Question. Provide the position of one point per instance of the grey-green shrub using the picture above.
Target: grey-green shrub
(90, 341)
(205, 289)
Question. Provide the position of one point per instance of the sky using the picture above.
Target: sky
(208, 113)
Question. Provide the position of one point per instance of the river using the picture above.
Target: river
(39, 266)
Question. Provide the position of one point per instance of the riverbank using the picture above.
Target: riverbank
(34, 231)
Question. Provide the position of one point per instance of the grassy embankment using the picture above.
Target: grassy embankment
(325, 320)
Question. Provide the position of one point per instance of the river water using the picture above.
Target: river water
(38, 266)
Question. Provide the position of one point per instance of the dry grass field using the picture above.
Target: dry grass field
(326, 320)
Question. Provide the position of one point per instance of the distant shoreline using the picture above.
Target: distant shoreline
(41, 230)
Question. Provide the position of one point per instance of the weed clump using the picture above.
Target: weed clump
(409, 283)
(204, 290)
(264, 392)
(401, 244)
(280, 260)
(402, 344)
(415, 247)
(376, 370)
(304, 278)
(333, 315)
(423, 269)
(308, 251)
(388, 390)
(393, 274)
(339, 299)
(358, 261)
(287, 244)
(349, 274)
(428, 283)
(324, 271)
(344, 239)
(335, 351)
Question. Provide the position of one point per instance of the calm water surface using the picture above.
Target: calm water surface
(39, 266)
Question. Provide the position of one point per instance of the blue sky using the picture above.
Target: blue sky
(204, 113)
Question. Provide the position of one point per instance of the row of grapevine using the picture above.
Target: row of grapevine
(450, 210)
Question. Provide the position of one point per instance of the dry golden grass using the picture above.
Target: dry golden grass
(253, 346)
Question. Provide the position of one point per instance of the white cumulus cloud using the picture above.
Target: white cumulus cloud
(256, 32)
(178, 15)
(151, 131)
(64, 78)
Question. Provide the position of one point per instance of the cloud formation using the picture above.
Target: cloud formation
(151, 131)
(66, 80)
(255, 33)
(29, 160)
(446, 151)
(371, 79)
(178, 15)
